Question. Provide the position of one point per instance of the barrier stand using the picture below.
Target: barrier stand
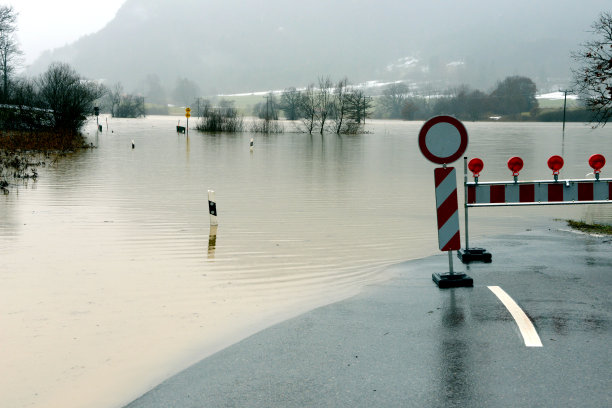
(539, 192)
(468, 254)
(447, 211)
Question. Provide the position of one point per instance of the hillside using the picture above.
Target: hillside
(236, 46)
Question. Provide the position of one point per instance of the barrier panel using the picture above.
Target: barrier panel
(526, 193)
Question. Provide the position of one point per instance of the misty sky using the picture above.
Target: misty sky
(48, 24)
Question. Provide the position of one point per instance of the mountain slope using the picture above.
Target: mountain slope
(234, 46)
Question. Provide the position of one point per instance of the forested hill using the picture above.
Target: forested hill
(237, 45)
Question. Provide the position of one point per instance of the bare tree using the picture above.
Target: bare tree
(67, 95)
(324, 103)
(309, 107)
(114, 98)
(392, 99)
(359, 105)
(130, 106)
(9, 50)
(341, 104)
(290, 103)
(593, 79)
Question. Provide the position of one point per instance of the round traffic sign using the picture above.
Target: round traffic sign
(443, 139)
(187, 115)
(187, 110)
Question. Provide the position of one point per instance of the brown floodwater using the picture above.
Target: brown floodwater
(111, 278)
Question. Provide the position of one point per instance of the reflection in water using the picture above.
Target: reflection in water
(188, 148)
(455, 363)
(212, 241)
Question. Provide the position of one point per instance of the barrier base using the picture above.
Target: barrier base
(455, 280)
(474, 254)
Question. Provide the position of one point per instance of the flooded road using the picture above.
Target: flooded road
(111, 280)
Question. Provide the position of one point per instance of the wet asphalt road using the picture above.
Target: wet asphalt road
(406, 343)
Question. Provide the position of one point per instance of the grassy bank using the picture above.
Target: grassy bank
(46, 141)
(22, 152)
(590, 228)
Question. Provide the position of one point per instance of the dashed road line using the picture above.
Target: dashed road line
(529, 333)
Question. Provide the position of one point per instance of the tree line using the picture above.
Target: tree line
(61, 98)
(328, 106)
(57, 99)
(511, 97)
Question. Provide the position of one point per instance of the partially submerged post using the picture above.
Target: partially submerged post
(212, 241)
(187, 115)
(212, 207)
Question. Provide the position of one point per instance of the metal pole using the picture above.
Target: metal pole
(465, 202)
(450, 262)
(564, 104)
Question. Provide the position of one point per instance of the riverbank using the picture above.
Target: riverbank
(22, 152)
(45, 141)
(404, 342)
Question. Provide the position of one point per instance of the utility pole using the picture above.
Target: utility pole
(267, 106)
(564, 105)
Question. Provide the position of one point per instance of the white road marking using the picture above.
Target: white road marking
(522, 321)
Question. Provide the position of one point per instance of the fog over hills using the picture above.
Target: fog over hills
(237, 46)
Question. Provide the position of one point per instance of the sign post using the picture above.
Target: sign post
(442, 140)
(187, 115)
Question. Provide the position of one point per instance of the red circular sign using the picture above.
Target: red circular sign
(476, 165)
(515, 164)
(443, 139)
(597, 161)
(555, 163)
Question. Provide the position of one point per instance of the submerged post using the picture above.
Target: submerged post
(212, 207)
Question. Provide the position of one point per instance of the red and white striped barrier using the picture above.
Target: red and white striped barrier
(586, 191)
(447, 209)
(582, 191)
(545, 192)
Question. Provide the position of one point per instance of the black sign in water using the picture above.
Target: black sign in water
(212, 208)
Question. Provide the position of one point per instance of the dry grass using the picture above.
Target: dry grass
(590, 228)
(45, 141)
(21, 152)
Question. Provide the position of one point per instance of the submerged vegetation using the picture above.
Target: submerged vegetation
(23, 151)
(590, 228)
(46, 141)
(223, 118)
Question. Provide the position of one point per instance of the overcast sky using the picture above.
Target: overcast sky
(48, 24)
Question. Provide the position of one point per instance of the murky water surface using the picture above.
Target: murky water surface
(111, 278)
